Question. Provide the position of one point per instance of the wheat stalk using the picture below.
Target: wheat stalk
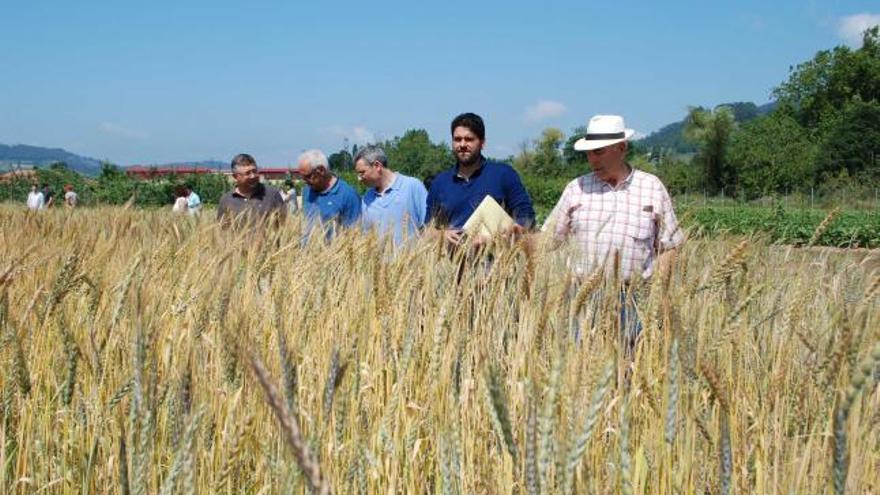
(292, 435)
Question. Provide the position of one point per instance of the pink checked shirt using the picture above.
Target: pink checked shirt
(634, 218)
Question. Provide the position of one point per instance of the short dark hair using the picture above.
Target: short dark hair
(471, 121)
(243, 160)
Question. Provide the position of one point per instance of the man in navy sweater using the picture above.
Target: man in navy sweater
(455, 193)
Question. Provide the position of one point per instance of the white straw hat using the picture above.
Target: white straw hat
(602, 131)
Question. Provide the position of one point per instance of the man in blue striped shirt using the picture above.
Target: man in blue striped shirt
(394, 203)
(456, 192)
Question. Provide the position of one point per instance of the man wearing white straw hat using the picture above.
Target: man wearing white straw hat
(616, 211)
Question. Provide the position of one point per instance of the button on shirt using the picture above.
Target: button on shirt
(338, 205)
(635, 219)
(452, 199)
(399, 210)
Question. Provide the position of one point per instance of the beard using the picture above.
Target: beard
(468, 159)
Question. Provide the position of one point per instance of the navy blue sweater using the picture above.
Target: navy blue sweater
(452, 199)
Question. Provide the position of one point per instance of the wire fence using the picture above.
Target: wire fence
(813, 198)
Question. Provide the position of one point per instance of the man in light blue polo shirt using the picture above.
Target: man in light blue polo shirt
(394, 204)
(328, 200)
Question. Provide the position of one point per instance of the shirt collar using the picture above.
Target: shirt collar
(622, 184)
(333, 189)
(258, 192)
(395, 184)
(477, 172)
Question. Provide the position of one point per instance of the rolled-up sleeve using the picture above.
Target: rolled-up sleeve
(671, 235)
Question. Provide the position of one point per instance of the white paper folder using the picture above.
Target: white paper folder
(488, 219)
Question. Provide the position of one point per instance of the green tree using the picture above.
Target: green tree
(113, 186)
(341, 160)
(524, 161)
(819, 88)
(852, 141)
(772, 154)
(548, 158)
(680, 176)
(711, 132)
(414, 154)
(577, 159)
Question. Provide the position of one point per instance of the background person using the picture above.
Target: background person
(70, 197)
(394, 203)
(456, 192)
(193, 201)
(35, 199)
(327, 199)
(48, 196)
(617, 209)
(288, 194)
(250, 201)
(180, 203)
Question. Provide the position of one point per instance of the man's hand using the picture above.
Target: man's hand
(453, 236)
(450, 236)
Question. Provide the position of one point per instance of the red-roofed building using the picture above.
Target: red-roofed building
(141, 172)
(27, 173)
(146, 173)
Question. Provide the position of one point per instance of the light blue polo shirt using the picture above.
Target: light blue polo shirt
(338, 206)
(400, 210)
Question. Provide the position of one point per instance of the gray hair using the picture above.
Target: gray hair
(371, 154)
(315, 158)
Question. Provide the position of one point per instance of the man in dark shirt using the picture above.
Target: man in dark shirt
(456, 192)
(251, 201)
(48, 196)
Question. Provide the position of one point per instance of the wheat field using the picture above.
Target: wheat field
(145, 353)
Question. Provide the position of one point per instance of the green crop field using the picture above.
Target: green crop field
(850, 228)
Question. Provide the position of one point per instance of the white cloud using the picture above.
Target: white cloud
(638, 135)
(851, 27)
(118, 130)
(355, 135)
(543, 110)
(362, 135)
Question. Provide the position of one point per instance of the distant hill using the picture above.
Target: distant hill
(670, 136)
(35, 156)
(26, 156)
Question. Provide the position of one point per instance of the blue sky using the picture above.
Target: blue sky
(184, 81)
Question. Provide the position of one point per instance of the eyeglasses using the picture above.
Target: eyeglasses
(248, 173)
(362, 173)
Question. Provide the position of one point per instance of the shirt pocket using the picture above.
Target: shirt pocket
(641, 230)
